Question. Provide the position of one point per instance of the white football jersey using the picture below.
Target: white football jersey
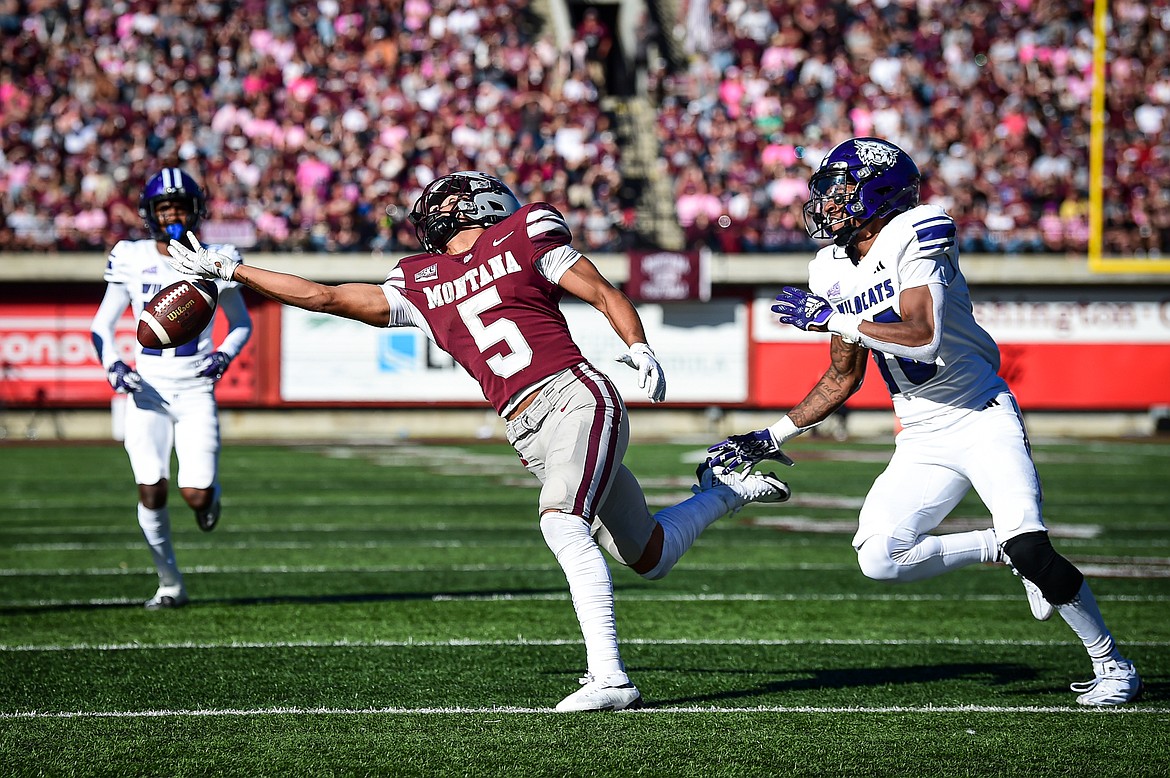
(914, 249)
(142, 271)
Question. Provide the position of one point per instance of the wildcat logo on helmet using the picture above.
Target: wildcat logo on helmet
(871, 152)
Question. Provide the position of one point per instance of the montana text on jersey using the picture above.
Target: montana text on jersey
(518, 260)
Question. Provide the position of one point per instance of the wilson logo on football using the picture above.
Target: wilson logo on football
(177, 314)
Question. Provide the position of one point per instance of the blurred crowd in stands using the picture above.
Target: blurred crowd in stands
(991, 99)
(313, 125)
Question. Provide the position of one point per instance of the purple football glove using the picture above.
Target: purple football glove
(746, 449)
(123, 378)
(214, 366)
(802, 309)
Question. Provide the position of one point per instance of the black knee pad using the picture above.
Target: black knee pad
(1034, 558)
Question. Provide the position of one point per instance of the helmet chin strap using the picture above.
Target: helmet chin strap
(174, 230)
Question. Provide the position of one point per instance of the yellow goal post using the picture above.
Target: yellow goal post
(1098, 263)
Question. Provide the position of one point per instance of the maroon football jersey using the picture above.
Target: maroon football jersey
(491, 309)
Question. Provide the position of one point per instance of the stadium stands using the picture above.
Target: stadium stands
(314, 124)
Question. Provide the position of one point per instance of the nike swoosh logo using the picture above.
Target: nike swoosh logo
(501, 240)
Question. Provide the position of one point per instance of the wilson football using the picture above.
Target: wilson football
(177, 314)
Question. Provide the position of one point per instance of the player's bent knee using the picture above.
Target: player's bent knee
(876, 561)
(554, 495)
(562, 530)
(1034, 558)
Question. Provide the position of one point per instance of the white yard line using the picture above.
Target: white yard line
(625, 596)
(459, 711)
(524, 642)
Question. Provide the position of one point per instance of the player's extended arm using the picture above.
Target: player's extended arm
(363, 302)
(846, 371)
(584, 281)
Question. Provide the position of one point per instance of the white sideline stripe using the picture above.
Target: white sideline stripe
(285, 545)
(1069, 531)
(459, 711)
(1121, 567)
(523, 642)
(14, 572)
(634, 596)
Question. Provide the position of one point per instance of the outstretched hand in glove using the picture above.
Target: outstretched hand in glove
(803, 309)
(747, 449)
(200, 260)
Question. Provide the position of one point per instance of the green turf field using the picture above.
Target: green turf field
(393, 611)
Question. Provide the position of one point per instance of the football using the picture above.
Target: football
(177, 314)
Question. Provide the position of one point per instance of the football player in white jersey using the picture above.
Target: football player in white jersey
(171, 402)
(890, 285)
(487, 291)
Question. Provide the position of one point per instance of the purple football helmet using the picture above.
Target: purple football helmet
(167, 185)
(481, 202)
(858, 181)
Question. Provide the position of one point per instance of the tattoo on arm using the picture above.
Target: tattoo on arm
(843, 378)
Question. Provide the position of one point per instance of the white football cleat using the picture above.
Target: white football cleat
(745, 487)
(167, 597)
(598, 695)
(1115, 682)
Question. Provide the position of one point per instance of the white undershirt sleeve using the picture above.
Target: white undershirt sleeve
(114, 302)
(239, 322)
(553, 264)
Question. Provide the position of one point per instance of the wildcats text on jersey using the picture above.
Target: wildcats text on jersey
(874, 296)
(472, 281)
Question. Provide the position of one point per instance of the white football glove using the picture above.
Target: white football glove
(201, 261)
(650, 375)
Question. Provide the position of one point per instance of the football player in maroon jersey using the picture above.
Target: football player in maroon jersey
(487, 291)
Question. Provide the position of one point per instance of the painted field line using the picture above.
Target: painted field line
(460, 711)
(503, 567)
(1118, 568)
(521, 642)
(287, 545)
(629, 596)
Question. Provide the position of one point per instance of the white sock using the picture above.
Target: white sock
(888, 559)
(156, 528)
(591, 587)
(682, 524)
(1083, 615)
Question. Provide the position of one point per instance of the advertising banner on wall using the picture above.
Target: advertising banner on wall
(703, 349)
(47, 357)
(1055, 353)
